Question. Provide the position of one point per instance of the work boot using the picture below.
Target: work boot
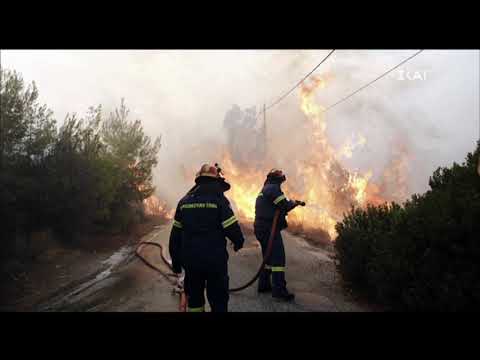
(283, 295)
(279, 290)
(264, 284)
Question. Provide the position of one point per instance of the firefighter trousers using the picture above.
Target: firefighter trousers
(213, 278)
(275, 264)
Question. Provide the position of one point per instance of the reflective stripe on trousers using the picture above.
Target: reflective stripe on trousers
(195, 309)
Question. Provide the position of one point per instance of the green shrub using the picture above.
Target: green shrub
(423, 255)
(90, 174)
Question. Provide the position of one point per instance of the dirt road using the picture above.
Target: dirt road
(124, 283)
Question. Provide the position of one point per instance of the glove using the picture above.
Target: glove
(180, 280)
(178, 288)
(237, 247)
(298, 202)
(177, 269)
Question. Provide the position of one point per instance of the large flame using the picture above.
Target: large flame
(329, 189)
(319, 179)
(245, 186)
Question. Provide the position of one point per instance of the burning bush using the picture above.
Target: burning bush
(153, 206)
(315, 175)
(91, 173)
(424, 255)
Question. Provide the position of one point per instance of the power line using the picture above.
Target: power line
(297, 84)
(371, 82)
(346, 97)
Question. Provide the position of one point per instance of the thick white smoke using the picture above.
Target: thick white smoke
(184, 95)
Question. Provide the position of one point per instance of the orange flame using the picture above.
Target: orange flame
(319, 179)
(154, 206)
(245, 186)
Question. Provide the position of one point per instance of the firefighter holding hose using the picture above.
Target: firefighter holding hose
(270, 199)
(203, 219)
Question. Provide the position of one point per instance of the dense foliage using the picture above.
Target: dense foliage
(423, 255)
(90, 174)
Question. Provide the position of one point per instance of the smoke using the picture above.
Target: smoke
(433, 118)
(184, 96)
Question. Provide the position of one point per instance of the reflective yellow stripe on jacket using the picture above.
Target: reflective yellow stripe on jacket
(278, 268)
(177, 224)
(231, 220)
(278, 199)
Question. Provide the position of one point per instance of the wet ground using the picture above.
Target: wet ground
(122, 282)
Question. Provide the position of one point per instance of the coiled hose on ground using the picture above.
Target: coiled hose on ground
(183, 300)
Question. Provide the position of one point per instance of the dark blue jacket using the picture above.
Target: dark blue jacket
(203, 219)
(268, 200)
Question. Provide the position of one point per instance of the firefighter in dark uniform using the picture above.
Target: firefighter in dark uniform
(203, 219)
(268, 200)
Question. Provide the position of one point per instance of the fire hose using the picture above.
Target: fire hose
(267, 253)
(183, 300)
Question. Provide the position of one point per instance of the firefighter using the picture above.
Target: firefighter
(203, 219)
(268, 200)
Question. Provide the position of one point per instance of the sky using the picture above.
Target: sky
(431, 103)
